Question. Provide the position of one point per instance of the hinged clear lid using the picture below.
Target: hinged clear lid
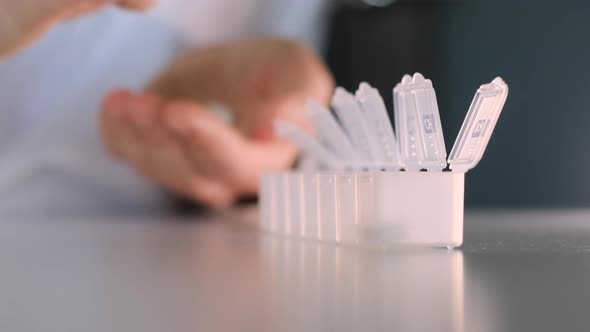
(417, 121)
(375, 112)
(478, 126)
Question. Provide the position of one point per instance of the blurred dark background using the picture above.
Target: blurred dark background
(539, 154)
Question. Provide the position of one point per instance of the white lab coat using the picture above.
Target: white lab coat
(52, 162)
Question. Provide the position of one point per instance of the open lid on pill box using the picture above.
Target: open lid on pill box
(478, 126)
(419, 128)
(417, 122)
(358, 135)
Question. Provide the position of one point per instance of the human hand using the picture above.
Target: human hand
(23, 21)
(170, 134)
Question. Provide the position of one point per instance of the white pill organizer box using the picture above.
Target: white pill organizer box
(368, 186)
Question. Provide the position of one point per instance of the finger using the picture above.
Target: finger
(231, 157)
(142, 112)
(73, 10)
(208, 139)
(136, 4)
(164, 158)
(169, 165)
(118, 134)
(209, 191)
(22, 22)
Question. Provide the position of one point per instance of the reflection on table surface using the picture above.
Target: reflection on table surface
(518, 271)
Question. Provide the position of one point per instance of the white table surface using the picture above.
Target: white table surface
(517, 271)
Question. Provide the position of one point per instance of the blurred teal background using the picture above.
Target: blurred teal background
(539, 155)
